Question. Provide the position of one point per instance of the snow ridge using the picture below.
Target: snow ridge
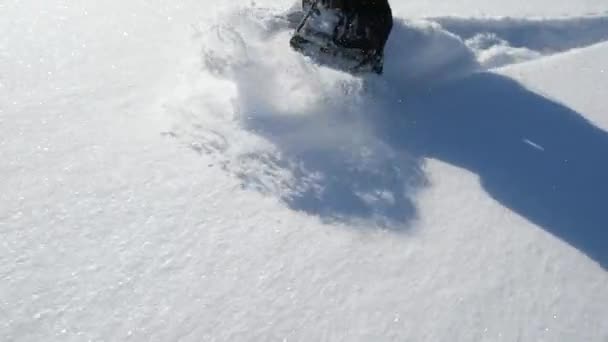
(502, 41)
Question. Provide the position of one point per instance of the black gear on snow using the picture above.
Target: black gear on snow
(365, 24)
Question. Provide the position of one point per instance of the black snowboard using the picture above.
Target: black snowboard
(327, 46)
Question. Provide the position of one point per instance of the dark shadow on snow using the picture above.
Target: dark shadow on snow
(537, 157)
(340, 173)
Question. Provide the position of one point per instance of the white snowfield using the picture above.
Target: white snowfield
(172, 171)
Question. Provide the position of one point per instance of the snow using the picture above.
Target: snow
(173, 171)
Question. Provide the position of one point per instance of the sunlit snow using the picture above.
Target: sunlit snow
(172, 170)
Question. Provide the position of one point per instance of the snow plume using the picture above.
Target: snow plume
(420, 53)
(305, 133)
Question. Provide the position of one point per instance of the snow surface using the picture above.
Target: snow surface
(172, 171)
